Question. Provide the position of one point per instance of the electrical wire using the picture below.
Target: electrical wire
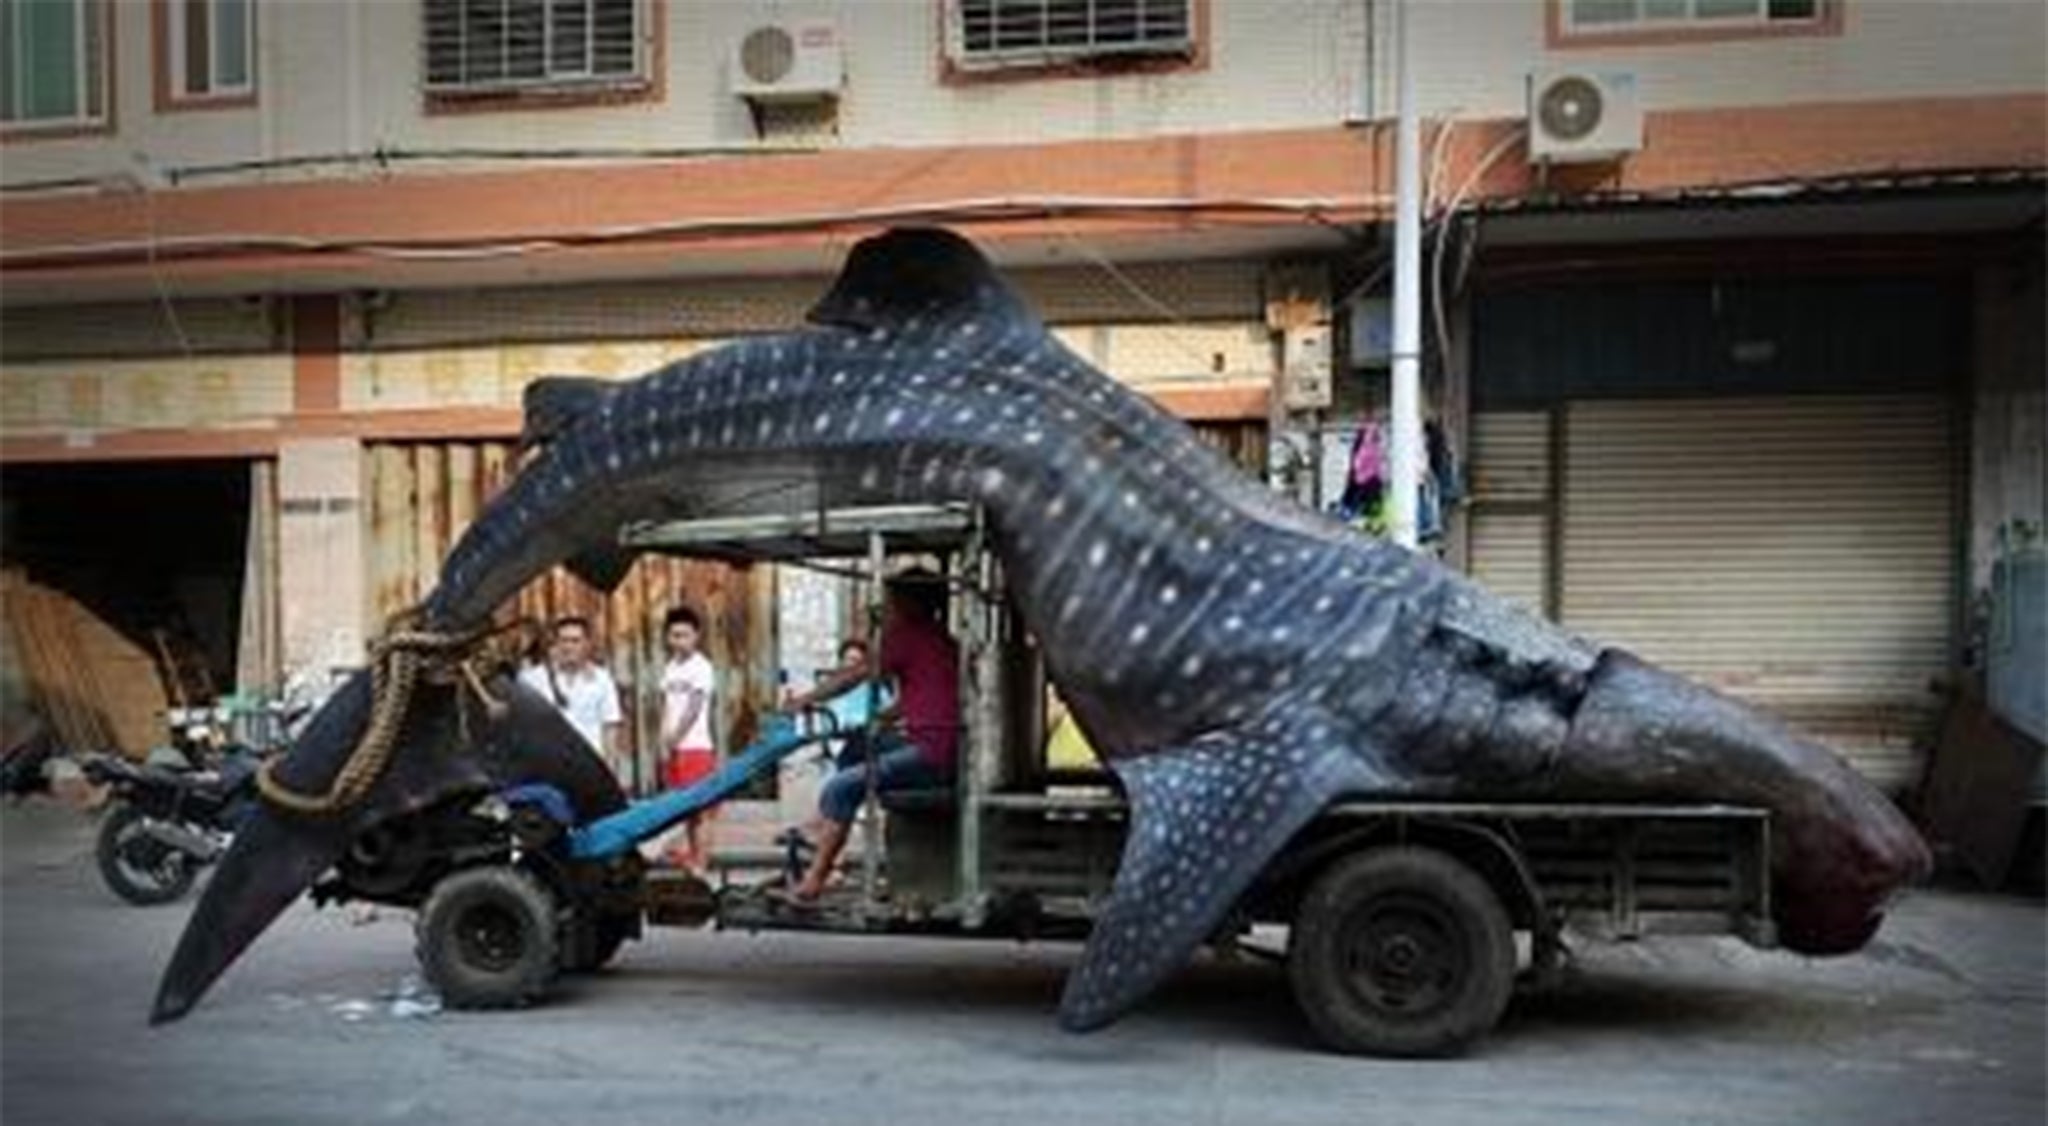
(990, 208)
(1445, 219)
(1172, 315)
(385, 157)
(156, 276)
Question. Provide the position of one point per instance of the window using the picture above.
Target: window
(1590, 18)
(209, 49)
(56, 71)
(997, 33)
(511, 45)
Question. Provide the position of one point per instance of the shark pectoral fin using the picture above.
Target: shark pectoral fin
(602, 567)
(552, 402)
(1206, 817)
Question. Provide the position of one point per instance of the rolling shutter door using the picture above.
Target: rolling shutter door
(1510, 525)
(1795, 552)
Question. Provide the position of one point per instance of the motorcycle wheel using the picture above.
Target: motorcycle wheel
(137, 867)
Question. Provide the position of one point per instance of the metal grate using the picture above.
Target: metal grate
(1028, 32)
(476, 45)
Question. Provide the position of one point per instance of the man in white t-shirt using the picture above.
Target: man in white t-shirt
(688, 683)
(582, 690)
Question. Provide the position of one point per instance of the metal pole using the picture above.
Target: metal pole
(1405, 411)
(870, 805)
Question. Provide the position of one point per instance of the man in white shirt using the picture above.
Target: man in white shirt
(582, 690)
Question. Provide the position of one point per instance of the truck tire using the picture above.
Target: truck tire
(138, 867)
(1401, 951)
(486, 939)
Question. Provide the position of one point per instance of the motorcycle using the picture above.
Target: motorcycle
(165, 823)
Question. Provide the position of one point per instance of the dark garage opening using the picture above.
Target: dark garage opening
(155, 549)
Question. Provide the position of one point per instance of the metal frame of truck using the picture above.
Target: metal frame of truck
(1402, 913)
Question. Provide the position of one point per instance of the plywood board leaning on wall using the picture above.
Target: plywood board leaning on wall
(98, 689)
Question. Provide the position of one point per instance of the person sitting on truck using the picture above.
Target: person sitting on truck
(924, 662)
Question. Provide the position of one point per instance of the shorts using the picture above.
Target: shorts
(687, 766)
(898, 766)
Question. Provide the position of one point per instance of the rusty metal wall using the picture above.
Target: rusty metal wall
(421, 495)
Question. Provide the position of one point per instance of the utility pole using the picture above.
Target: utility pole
(1405, 424)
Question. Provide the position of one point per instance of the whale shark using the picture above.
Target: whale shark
(1239, 662)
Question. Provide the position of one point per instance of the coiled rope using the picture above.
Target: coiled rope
(400, 658)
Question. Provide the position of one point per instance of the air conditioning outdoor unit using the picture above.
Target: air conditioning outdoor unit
(1581, 115)
(788, 62)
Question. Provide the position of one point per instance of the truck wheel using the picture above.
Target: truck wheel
(138, 867)
(1401, 952)
(486, 939)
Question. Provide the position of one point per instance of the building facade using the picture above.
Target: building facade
(1758, 392)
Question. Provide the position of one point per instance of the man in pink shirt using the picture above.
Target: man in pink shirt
(924, 661)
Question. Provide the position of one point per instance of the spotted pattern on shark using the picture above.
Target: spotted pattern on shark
(1239, 662)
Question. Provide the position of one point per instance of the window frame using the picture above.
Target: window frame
(648, 83)
(37, 129)
(167, 37)
(1561, 33)
(957, 69)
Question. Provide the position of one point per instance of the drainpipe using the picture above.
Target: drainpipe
(1405, 447)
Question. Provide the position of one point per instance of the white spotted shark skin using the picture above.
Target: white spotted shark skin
(1239, 662)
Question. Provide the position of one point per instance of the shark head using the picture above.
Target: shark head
(1840, 849)
(449, 745)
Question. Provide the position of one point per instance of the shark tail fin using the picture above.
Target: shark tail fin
(1206, 819)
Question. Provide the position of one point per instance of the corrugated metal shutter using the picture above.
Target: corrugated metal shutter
(139, 328)
(1797, 552)
(1510, 508)
(422, 495)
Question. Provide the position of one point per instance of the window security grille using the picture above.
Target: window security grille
(1631, 15)
(997, 33)
(489, 45)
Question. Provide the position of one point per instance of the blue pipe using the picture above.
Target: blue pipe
(643, 820)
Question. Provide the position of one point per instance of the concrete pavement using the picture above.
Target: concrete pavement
(1941, 1020)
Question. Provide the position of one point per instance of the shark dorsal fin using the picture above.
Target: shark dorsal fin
(915, 271)
(553, 402)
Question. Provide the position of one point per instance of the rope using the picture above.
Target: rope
(399, 659)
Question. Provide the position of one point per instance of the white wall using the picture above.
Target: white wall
(1475, 53)
(339, 76)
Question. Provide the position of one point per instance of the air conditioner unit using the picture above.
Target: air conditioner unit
(1583, 115)
(788, 62)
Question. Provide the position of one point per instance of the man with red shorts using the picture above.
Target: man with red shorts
(688, 683)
